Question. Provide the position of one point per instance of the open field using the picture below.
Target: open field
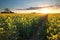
(53, 27)
(29, 26)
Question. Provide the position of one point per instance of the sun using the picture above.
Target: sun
(45, 10)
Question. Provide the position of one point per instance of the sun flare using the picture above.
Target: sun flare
(45, 10)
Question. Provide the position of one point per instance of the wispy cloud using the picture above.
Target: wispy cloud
(31, 8)
(36, 8)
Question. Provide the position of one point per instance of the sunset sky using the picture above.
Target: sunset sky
(22, 4)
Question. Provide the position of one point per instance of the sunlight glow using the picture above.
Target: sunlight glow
(45, 10)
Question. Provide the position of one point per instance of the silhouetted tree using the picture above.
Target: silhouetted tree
(7, 10)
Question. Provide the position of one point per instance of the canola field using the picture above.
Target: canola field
(25, 26)
(53, 27)
(18, 26)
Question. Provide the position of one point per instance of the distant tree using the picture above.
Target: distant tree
(7, 10)
(33, 12)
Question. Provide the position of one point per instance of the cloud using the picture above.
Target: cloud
(31, 8)
(36, 8)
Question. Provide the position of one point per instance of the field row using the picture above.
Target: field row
(29, 27)
(19, 26)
